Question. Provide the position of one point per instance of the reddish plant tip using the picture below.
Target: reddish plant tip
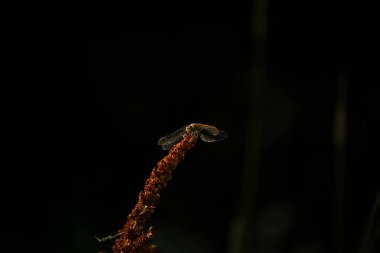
(134, 236)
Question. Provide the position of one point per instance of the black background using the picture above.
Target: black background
(91, 92)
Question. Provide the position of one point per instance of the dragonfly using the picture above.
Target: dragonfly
(207, 133)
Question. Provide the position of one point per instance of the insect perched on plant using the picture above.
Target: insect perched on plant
(207, 133)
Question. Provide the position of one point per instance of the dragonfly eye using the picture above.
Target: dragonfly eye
(192, 127)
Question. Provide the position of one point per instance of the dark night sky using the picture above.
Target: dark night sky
(89, 100)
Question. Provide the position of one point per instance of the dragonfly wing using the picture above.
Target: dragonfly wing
(169, 146)
(222, 135)
(208, 136)
(210, 129)
(168, 141)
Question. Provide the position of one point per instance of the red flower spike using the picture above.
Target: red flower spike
(133, 238)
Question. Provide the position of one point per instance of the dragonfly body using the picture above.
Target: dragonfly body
(207, 133)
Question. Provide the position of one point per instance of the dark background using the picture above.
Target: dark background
(89, 100)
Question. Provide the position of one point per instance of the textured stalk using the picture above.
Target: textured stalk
(135, 236)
